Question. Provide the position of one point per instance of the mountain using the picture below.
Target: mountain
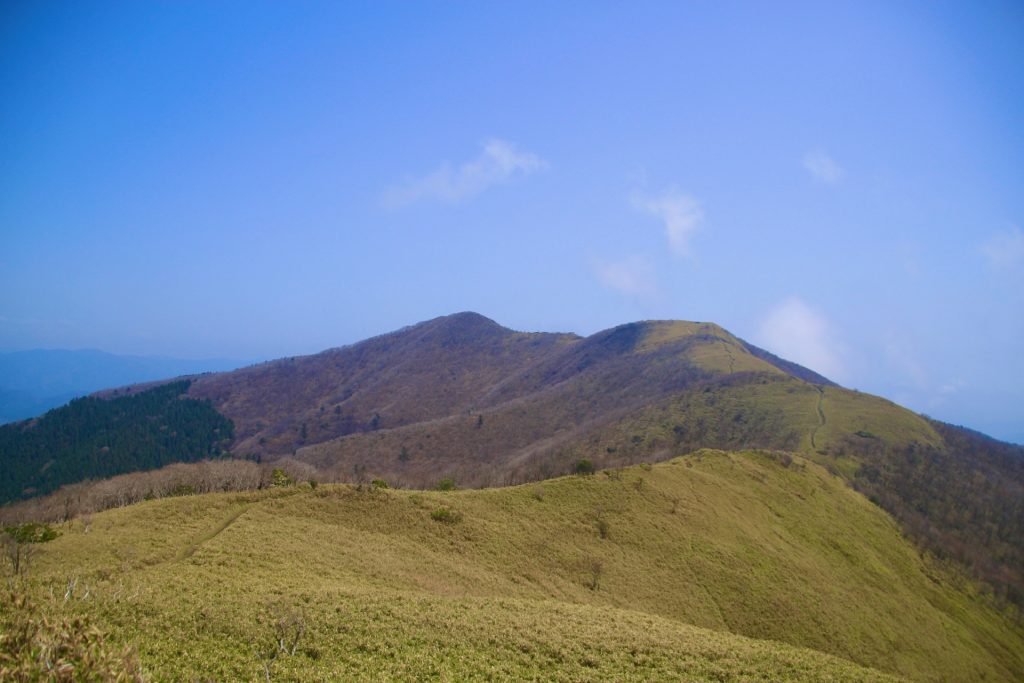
(32, 382)
(463, 398)
(708, 567)
(464, 366)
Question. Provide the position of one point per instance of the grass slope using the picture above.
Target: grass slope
(692, 559)
(768, 411)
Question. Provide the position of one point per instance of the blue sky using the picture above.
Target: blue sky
(842, 183)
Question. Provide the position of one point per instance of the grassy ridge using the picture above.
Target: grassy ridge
(639, 574)
(769, 411)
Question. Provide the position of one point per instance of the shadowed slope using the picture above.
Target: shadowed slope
(420, 373)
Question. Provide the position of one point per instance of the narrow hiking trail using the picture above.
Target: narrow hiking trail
(821, 416)
(228, 520)
(732, 359)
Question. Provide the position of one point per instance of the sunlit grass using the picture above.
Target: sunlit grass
(696, 552)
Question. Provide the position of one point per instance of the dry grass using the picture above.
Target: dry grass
(785, 555)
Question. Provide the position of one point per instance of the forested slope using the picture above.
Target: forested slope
(92, 438)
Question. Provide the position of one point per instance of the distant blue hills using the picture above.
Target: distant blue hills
(32, 382)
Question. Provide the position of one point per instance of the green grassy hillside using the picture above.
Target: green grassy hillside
(715, 566)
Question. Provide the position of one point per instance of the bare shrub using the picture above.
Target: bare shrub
(87, 497)
(287, 626)
(594, 568)
(20, 541)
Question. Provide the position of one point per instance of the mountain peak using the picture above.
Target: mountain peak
(461, 328)
(467, 319)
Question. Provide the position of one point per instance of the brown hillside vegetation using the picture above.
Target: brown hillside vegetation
(425, 372)
(461, 397)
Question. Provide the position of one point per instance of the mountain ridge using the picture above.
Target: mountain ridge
(463, 398)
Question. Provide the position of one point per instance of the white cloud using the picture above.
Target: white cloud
(681, 213)
(822, 167)
(498, 162)
(795, 332)
(1006, 249)
(633, 275)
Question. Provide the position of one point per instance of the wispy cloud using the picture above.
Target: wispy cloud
(633, 275)
(822, 167)
(1006, 249)
(798, 333)
(497, 163)
(681, 214)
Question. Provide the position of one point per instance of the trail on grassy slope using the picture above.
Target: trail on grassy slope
(192, 547)
(821, 416)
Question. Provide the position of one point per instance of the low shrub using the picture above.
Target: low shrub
(584, 466)
(446, 515)
(182, 490)
(281, 478)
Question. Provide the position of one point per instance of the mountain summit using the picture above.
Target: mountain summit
(462, 398)
(449, 367)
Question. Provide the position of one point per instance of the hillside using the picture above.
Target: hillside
(464, 398)
(421, 373)
(465, 365)
(708, 567)
(92, 438)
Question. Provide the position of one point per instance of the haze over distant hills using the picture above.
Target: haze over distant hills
(462, 398)
(822, 488)
(32, 382)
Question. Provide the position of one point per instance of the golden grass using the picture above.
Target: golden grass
(718, 351)
(717, 566)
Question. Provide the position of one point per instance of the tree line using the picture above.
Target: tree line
(91, 438)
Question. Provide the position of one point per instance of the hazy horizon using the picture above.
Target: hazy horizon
(838, 184)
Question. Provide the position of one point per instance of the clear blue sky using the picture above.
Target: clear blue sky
(840, 182)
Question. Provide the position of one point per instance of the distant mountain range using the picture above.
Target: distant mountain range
(463, 398)
(32, 382)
